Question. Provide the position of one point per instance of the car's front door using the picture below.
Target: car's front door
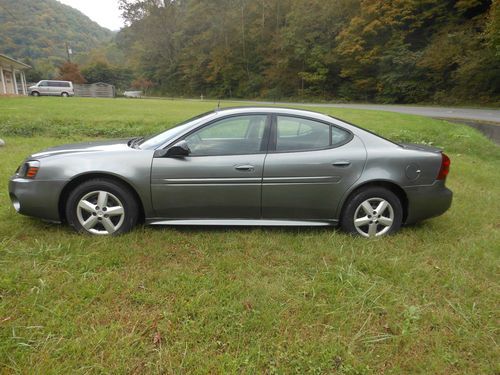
(221, 178)
(44, 88)
(309, 167)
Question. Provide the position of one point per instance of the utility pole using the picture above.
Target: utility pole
(69, 52)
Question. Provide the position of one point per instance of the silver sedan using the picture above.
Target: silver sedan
(238, 166)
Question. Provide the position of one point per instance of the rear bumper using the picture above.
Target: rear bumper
(425, 202)
(36, 198)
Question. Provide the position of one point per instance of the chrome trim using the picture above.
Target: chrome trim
(207, 181)
(302, 180)
(243, 222)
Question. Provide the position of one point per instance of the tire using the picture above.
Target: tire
(35, 93)
(381, 220)
(118, 213)
(64, 94)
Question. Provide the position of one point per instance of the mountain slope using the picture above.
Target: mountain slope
(40, 29)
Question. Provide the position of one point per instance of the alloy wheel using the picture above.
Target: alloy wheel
(100, 212)
(374, 217)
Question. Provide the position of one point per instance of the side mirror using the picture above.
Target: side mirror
(180, 149)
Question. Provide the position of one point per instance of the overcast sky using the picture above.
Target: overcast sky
(104, 12)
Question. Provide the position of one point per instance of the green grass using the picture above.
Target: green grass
(248, 300)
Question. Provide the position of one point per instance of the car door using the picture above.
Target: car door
(309, 166)
(221, 178)
(44, 88)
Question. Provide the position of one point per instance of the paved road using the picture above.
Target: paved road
(486, 115)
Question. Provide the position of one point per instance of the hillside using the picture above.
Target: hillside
(38, 31)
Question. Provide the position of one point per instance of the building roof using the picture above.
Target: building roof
(6, 60)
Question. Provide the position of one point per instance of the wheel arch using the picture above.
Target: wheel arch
(63, 197)
(389, 185)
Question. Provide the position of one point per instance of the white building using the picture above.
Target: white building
(12, 78)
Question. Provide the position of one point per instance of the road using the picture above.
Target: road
(474, 114)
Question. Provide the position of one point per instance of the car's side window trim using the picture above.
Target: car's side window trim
(263, 145)
(274, 135)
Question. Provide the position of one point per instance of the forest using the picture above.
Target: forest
(39, 31)
(401, 51)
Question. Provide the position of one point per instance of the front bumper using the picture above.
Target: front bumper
(36, 198)
(425, 202)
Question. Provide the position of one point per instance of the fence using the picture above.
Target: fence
(95, 90)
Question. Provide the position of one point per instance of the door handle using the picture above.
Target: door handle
(341, 163)
(245, 167)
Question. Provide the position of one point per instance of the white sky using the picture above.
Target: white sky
(104, 12)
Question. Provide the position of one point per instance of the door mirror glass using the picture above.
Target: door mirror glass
(180, 149)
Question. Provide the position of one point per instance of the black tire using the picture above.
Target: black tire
(354, 202)
(64, 94)
(35, 93)
(116, 190)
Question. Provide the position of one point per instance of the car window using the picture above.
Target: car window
(339, 136)
(231, 136)
(43, 84)
(298, 134)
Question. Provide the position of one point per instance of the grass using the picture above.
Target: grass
(248, 300)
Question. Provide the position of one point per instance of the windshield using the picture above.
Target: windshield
(155, 141)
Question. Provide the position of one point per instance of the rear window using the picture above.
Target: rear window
(299, 134)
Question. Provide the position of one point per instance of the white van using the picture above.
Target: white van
(54, 88)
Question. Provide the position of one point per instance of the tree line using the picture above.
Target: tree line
(400, 51)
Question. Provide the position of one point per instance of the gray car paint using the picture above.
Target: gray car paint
(303, 186)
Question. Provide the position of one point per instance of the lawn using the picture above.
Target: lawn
(248, 300)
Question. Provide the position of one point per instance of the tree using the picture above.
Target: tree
(142, 84)
(69, 71)
(101, 71)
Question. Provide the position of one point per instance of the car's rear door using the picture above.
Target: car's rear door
(309, 166)
(222, 176)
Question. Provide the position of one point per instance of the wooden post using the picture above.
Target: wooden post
(15, 81)
(3, 80)
(23, 81)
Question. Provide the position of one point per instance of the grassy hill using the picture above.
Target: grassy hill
(38, 31)
(248, 300)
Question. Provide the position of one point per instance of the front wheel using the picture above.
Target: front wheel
(64, 94)
(372, 212)
(102, 207)
(35, 93)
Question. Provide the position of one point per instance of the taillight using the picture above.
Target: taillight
(445, 167)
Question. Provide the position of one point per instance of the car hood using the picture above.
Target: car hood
(99, 146)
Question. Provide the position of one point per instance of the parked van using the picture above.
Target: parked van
(54, 88)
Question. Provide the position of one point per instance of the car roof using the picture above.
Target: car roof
(271, 109)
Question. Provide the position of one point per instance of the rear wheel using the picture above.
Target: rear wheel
(372, 212)
(102, 207)
(64, 95)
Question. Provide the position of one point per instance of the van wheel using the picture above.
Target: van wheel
(35, 93)
(64, 95)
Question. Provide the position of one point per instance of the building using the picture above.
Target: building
(12, 78)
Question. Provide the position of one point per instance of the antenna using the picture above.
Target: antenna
(218, 105)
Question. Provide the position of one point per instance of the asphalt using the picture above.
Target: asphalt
(482, 115)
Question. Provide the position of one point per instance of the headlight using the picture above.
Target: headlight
(29, 169)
